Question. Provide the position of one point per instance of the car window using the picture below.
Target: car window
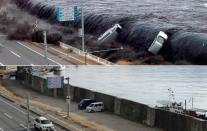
(160, 39)
(82, 101)
(45, 122)
(91, 105)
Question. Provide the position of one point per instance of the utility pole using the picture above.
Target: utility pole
(68, 97)
(45, 44)
(83, 29)
(28, 114)
(185, 105)
(86, 57)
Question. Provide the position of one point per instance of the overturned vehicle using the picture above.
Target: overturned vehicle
(110, 35)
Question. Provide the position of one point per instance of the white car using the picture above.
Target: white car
(158, 43)
(43, 124)
(95, 107)
(110, 34)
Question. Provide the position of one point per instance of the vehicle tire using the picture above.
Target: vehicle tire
(40, 129)
(35, 126)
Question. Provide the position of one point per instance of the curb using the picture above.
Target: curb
(7, 98)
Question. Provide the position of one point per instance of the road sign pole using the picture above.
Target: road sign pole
(45, 44)
(28, 114)
(68, 97)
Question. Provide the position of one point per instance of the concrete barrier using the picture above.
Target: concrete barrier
(175, 122)
(117, 106)
(36, 83)
(133, 111)
(107, 99)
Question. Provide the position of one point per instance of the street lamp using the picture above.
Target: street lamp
(68, 96)
(106, 50)
(28, 114)
(82, 28)
(46, 46)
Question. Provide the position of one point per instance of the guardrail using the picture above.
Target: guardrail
(88, 55)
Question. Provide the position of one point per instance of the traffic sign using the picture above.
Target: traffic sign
(66, 13)
(55, 82)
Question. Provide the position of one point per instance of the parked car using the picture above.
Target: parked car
(43, 124)
(111, 34)
(85, 102)
(95, 107)
(158, 43)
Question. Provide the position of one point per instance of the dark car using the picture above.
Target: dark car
(85, 102)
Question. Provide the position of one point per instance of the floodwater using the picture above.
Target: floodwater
(182, 13)
(184, 21)
(144, 84)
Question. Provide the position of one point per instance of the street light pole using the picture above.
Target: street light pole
(86, 57)
(28, 114)
(45, 44)
(83, 29)
(68, 97)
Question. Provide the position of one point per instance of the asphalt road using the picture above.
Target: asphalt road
(23, 53)
(14, 118)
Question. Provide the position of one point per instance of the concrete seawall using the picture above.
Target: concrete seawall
(124, 108)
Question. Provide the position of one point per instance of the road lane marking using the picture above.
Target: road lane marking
(37, 53)
(15, 53)
(10, 117)
(22, 125)
(1, 46)
(67, 55)
(16, 108)
(13, 107)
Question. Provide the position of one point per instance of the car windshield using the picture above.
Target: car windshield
(160, 39)
(91, 105)
(45, 122)
(82, 101)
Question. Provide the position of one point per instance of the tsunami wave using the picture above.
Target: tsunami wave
(184, 44)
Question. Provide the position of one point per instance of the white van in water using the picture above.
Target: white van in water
(111, 34)
(95, 107)
(158, 43)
